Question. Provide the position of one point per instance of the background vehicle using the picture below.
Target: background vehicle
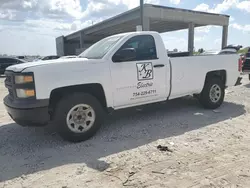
(210, 52)
(51, 57)
(118, 72)
(68, 57)
(246, 63)
(230, 49)
(20, 57)
(8, 61)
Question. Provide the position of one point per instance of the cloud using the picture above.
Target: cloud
(48, 24)
(244, 28)
(171, 42)
(219, 8)
(204, 29)
(176, 2)
(225, 5)
(7, 14)
(68, 9)
(14, 4)
(202, 7)
(51, 18)
(71, 7)
(26, 42)
(105, 8)
(199, 38)
(244, 5)
(217, 41)
(42, 20)
(29, 3)
(134, 3)
(45, 8)
(102, 8)
(231, 19)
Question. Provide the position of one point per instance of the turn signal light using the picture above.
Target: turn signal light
(23, 79)
(25, 93)
(30, 93)
(28, 79)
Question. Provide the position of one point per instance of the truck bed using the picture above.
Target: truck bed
(188, 73)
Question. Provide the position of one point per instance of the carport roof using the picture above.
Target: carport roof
(161, 19)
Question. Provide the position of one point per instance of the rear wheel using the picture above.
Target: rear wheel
(212, 95)
(78, 117)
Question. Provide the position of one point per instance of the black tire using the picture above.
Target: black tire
(204, 97)
(63, 108)
(249, 77)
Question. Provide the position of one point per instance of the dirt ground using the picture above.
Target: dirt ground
(209, 148)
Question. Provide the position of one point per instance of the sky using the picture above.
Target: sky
(29, 27)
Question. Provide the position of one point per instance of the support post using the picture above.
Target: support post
(60, 46)
(146, 24)
(224, 36)
(191, 38)
(142, 13)
(81, 40)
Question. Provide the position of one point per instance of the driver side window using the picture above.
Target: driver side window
(139, 48)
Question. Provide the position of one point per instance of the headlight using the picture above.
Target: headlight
(25, 93)
(23, 79)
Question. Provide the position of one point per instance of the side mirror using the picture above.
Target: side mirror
(126, 54)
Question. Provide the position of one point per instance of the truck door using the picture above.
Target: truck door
(138, 75)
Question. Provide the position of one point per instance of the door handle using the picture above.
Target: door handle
(159, 65)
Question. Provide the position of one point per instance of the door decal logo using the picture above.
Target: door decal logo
(144, 71)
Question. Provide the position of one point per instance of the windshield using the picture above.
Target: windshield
(99, 49)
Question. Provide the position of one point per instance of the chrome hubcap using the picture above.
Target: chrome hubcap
(80, 118)
(215, 93)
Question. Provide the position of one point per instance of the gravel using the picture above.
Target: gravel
(209, 148)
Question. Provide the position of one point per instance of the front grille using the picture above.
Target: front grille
(9, 84)
(11, 94)
(8, 79)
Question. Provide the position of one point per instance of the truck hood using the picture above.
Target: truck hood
(21, 67)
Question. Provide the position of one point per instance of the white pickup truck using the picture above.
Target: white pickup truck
(119, 71)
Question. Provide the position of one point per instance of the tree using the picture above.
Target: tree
(201, 50)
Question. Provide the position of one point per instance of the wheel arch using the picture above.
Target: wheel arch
(222, 74)
(94, 89)
(213, 78)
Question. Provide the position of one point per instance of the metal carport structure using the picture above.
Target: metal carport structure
(156, 18)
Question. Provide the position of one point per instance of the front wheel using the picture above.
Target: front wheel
(212, 95)
(78, 117)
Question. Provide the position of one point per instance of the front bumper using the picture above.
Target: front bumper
(27, 113)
